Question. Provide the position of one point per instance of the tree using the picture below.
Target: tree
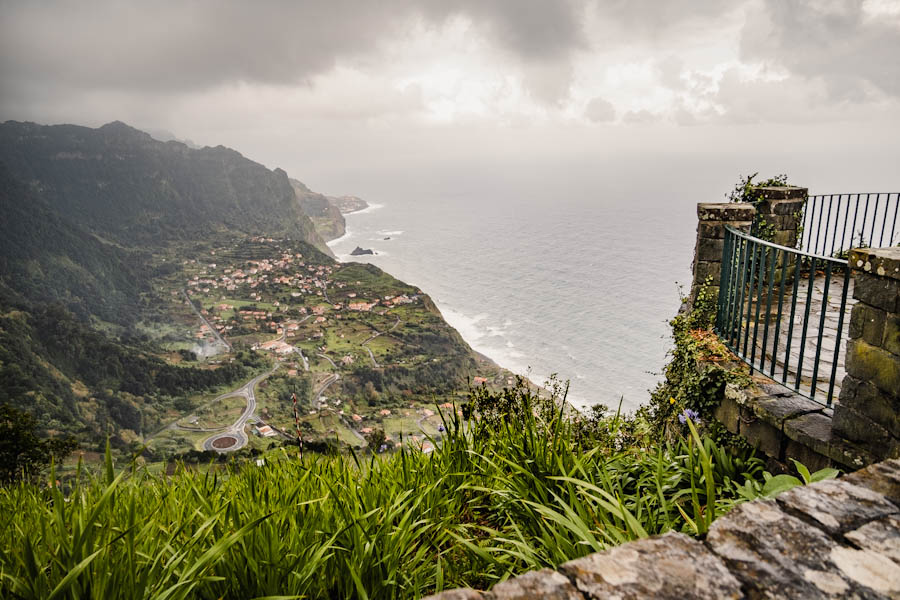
(376, 439)
(22, 453)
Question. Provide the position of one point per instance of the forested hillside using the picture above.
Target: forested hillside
(125, 186)
(126, 262)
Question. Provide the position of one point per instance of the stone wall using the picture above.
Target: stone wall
(777, 217)
(712, 219)
(832, 539)
(869, 408)
(779, 214)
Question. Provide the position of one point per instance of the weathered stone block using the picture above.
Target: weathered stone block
(882, 536)
(813, 430)
(837, 505)
(728, 413)
(890, 340)
(765, 437)
(879, 292)
(775, 410)
(870, 363)
(785, 222)
(725, 211)
(867, 322)
(866, 399)
(710, 250)
(669, 566)
(777, 555)
(808, 457)
(783, 192)
(785, 238)
(716, 229)
(708, 269)
(883, 262)
(853, 425)
(536, 584)
(883, 477)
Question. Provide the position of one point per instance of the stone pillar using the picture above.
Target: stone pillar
(780, 213)
(869, 409)
(710, 240)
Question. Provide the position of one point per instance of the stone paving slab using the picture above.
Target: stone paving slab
(681, 568)
(776, 350)
(832, 539)
(883, 477)
(545, 583)
(777, 555)
(838, 506)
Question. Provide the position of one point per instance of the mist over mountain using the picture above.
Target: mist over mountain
(122, 185)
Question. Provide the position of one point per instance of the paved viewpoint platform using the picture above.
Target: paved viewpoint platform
(833, 539)
(791, 346)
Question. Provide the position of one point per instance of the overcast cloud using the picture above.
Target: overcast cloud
(308, 85)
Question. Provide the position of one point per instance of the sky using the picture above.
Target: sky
(350, 95)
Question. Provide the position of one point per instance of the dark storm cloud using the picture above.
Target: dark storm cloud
(838, 42)
(192, 45)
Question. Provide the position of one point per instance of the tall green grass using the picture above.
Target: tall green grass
(496, 497)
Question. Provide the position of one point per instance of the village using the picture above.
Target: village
(345, 338)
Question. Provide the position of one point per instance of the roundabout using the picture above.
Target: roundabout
(223, 443)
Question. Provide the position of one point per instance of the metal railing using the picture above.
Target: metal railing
(834, 223)
(782, 311)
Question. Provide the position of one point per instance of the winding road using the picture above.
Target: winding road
(207, 323)
(377, 333)
(236, 431)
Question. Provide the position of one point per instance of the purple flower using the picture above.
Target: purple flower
(689, 414)
(441, 428)
(382, 448)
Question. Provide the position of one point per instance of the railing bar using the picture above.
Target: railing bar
(809, 290)
(812, 225)
(828, 226)
(750, 298)
(824, 312)
(787, 350)
(762, 357)
(819, 226)
(896, 210)
(853, 227)
(862, 227)
(739, 309)
(844, 228)
(784, 268)
(874, 218)
(840, 333)
(808, 228)
(769, 244)
(887, 201)
(723, 278)
(732, 283)
(760, 279)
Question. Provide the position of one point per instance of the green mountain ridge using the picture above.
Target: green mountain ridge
(107, 232)
(44, 257)
(174, 192)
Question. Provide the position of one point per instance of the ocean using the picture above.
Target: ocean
(579, 288)
(571, 262)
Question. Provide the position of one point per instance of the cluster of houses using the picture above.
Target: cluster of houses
(289, 270)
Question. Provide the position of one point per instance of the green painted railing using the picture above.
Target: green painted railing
(834, 223)
(782, 311)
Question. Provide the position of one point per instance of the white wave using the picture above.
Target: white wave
(466, 326)
(372, 207)
(347, 235)
(390, 233)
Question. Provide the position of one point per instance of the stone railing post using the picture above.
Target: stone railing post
(868, 412)
(712, 219)
(780, 213)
